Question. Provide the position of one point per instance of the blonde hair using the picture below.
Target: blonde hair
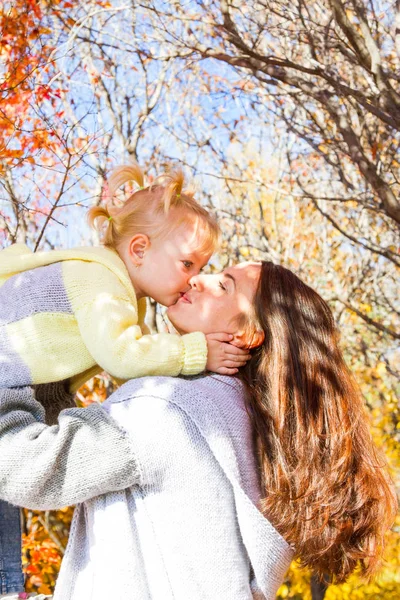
(155, 210)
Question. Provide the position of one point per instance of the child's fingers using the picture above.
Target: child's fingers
(234, 350)
(226, 371)
(243, 358)
(220, 337)
(233, 364)
(233, 353)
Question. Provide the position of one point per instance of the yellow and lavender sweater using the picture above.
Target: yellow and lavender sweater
(70, 314)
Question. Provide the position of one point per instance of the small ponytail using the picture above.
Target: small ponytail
(96, 217)
(173, 183)
(122, 175)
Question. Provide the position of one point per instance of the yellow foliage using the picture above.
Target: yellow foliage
(297, 584)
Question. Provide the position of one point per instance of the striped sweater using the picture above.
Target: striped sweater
(70, 314)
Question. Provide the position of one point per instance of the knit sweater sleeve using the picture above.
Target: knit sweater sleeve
(108, 323)
(47, 467)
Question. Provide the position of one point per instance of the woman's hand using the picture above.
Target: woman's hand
(223, 357)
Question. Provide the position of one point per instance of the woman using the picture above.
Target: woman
(188, 526)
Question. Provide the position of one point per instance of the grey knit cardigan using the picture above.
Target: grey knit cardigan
(187, 526)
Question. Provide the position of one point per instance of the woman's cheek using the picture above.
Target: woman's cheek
(220, 318)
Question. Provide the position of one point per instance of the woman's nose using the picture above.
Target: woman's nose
(195, 282)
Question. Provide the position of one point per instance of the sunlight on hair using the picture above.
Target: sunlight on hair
(155, 210)
(325, 484)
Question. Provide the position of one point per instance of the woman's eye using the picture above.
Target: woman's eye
(187, 263)
(221, 285)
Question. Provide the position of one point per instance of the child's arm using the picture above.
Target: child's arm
(114, 339)
(44, 467)
(108, 323)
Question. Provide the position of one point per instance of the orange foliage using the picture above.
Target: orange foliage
(28, 67)
(43, 547)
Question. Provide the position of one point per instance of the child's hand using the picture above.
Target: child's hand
(223, 357)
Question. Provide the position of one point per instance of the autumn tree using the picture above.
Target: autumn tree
(328, 73)
(40, 150)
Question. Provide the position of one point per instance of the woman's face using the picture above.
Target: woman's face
(214, 302)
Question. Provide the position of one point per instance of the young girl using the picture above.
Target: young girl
(67, 315)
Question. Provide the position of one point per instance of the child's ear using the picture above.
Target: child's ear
(137, 247)
(246, 339)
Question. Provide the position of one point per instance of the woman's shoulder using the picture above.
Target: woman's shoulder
(214, 405)
(185, 391)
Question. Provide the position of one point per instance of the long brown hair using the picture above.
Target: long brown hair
(325, 485)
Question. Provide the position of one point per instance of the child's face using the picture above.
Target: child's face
(168, 264)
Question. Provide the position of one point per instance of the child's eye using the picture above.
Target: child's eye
(187, 263)
(221, 285)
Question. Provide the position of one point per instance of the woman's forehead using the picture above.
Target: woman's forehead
(249, 270)
(247, 264)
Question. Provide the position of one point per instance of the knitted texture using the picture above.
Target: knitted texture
(87, 453)
(190, 529)
(69, 314)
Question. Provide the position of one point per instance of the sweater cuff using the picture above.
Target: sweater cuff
(195, 353)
